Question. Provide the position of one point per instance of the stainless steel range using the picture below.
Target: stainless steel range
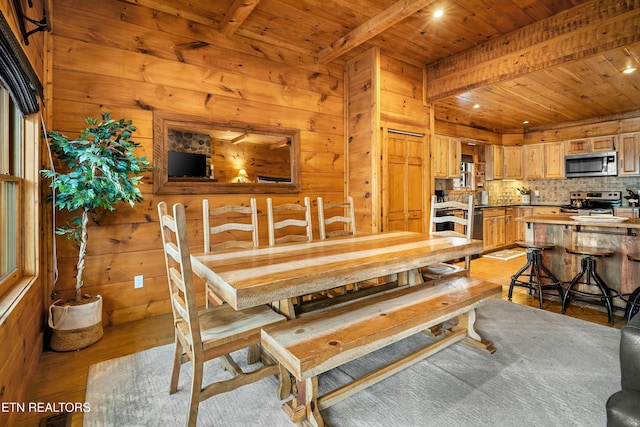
(593, 202)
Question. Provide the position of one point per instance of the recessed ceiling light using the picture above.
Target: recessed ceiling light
(526, 122)
(438, 13)
(476, 106)
(629, 70)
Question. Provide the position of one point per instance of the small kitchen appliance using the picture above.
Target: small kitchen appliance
(592, 202)
(484, 198)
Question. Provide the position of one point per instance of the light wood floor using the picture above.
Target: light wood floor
(62, 377)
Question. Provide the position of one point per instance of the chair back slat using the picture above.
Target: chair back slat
(301, 218)
(233, 215)
(342, 212)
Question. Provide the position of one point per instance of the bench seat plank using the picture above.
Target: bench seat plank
(311, 345)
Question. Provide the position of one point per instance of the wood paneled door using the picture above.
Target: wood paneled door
(404, 181)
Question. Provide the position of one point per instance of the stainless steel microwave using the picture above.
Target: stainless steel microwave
(604, 163)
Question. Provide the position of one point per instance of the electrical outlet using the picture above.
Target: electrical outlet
(138, 282)
(536, 193)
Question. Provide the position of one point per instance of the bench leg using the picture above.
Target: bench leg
(468, 321)
(308, 396)
(285, 307)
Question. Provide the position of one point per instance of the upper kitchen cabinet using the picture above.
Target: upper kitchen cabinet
(533, 159)
(554, 160)
(629, 154)
(494, 158)
(512, 162)
(543, 161)
(589, 145)
(446, 157)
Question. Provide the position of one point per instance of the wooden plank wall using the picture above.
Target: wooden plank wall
(21, 323)
(382, 91)
(363, 117)
(130, 60)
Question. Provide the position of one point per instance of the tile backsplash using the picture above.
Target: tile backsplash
(556, 191)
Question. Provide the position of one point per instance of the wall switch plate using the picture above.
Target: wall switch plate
(138, 282)
(536, 193)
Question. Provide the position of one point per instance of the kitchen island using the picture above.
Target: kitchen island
(615, 233)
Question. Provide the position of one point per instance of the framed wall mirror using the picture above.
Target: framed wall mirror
(194, 155)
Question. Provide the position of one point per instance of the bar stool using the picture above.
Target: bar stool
(588, 276)
(632, 299)
(534, 275)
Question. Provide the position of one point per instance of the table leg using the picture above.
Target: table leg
(415, 277)
(308, 396)
(285, 307)
(403, 278)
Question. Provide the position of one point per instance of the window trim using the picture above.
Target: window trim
(28, 209)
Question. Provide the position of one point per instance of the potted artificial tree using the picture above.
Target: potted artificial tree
(99, 170)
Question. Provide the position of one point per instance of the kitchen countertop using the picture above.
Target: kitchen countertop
(515, 205)
(566, 220)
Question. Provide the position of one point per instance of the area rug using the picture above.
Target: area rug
(505, 254)
(548, 370)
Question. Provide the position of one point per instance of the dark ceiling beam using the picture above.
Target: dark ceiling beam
(238, 12)
(395, 13)
(585, 30)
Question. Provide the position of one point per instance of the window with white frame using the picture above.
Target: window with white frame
(11, 182)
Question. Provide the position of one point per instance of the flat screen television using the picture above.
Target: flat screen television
(187, 165)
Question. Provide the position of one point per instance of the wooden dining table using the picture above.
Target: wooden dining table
(251, 277)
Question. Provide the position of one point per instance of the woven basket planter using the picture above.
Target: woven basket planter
(75, 326)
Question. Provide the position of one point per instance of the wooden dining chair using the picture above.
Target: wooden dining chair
(336, 213)
(224, 224)
(202, 335)
(225, 228)
(450, 224)
(295, 215)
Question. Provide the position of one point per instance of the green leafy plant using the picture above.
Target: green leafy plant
(100, 171)
(524, 191)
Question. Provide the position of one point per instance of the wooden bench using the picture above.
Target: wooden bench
(311, 345)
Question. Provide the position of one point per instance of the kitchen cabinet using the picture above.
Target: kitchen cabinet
(533, 159)
(494, 159)
(480, 166)
(500, 228)
(521, 227)
(446, 158)
(459, 228)
(493, 228)
(512, 159)
(589, 145)
(554, 160)
(627, 212)
(546, 210)
(629, 154)
(509, 227)
(544, 161)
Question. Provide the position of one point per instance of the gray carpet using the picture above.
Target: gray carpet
(549, 370)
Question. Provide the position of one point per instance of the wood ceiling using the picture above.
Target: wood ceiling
(545, 61)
